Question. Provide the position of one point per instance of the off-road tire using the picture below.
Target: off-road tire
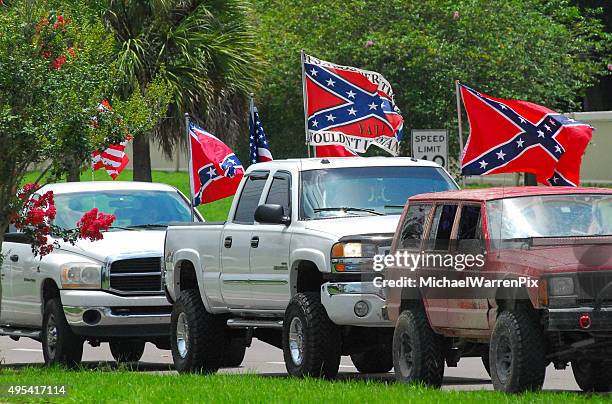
(417, 350)
(518, 338)
(68, 349)
(204, 349)
(234, 353)
(593, 376)
(377, 360)
(321, 338)
(127, 350)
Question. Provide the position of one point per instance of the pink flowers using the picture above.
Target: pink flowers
(36, 220)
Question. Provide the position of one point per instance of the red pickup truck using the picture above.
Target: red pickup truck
(520, 276)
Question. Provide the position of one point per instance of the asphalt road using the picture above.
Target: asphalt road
(267, 360)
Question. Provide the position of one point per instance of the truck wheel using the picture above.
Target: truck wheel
(60, 345)
(197, 337)
(311, 342)
(517, 353)
(417, 350)
(127, 350)
(595, 376)
(234, 353)
(377, 360)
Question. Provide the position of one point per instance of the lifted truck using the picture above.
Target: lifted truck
(558, 238)
(292, 265)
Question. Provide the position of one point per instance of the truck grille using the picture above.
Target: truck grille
(136, 275)
(591, 284)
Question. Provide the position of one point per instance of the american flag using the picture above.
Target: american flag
(113, 158)
(259, 150)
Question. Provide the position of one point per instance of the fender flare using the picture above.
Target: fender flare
(192, 256)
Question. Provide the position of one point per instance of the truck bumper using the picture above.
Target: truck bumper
(95, 313)
(569, 319)
(340, 298)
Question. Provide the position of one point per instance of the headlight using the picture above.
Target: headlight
(353, 250)
(561, 286)
(80, 275)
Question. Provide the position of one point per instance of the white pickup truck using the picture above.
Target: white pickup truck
(292, 265)
(102, 291)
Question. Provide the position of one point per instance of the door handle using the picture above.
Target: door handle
(227, 243)
(14, 257)
(255, 242)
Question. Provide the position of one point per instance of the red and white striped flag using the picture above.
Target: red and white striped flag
(113, 159)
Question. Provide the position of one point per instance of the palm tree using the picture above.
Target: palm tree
(205, 50)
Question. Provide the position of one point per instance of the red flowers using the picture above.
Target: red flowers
(53, 46)
(36, 220)
(92, 223)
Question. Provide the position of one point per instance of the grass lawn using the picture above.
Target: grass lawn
(214, 211)
(125, 386)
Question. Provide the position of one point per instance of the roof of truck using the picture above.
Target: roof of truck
(485, 194)
(93, 186)
(337, 162)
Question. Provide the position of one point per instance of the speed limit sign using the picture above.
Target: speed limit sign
(431, 144)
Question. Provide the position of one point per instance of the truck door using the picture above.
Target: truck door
(437, 246)
(18, 283)
(236, 244)
(470, 308)
(270, 243)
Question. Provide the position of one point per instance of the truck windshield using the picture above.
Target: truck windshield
(366, 191)
(567, 215)
(131, 208)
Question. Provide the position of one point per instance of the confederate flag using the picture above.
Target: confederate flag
(215, 171)
(508, 136)
(349, 107)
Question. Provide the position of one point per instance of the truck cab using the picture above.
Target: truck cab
(292, 265)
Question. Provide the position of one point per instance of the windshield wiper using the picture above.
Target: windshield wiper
(119, 228)
(148, 226)
(350, 209)
(394, 206)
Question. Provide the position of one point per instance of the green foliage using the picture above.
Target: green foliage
(55, 68)
(204, 50)
(542, 51)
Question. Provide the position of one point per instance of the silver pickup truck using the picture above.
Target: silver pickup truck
(292, 265)
(103, 291)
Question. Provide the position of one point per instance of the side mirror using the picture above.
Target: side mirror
(271, 214)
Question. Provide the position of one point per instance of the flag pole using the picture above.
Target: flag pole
(305, 98)
(189, 165)
(460, 122)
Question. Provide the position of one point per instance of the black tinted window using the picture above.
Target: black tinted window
(441, 227)
(412, 229)
(249, 198)
(279, 193)
(470, 229)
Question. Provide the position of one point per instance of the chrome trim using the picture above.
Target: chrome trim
(74, 317)
(584, 309)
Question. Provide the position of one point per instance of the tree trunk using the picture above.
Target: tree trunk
(142, 158)
(530, 179)
(74, 174)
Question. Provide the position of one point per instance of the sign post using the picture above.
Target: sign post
(430, 144)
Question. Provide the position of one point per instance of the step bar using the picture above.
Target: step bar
(243, 323)
(20, 333)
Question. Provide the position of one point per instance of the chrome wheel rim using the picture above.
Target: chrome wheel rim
(406, 361)
(51, 336)
(182, 335)
(503, 359)
(296, 341)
